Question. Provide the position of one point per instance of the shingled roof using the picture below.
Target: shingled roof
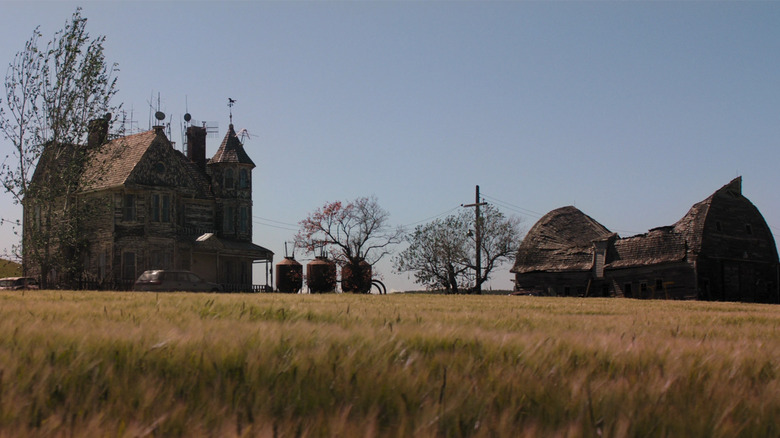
(114, 161)
(562, 240)
(659, 245)
(231, 150)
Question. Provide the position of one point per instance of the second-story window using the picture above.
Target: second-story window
(128, 208)
(243, 179)
(161, 205)
(165, 214)
(243, 219)
(228, 223)
(155, 208)
(229, 179)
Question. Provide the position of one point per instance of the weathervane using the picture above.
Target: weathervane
(231, 102)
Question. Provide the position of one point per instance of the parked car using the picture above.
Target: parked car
(166, 280)
(17, 283)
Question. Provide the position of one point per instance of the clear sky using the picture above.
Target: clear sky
(631, 111)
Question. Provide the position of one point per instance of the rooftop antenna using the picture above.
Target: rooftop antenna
(159, 115)
(187, 118)
(231, 102)
(244, 134)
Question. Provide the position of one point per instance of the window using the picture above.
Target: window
(748, 229)
(161, 208)
(642, 290)
(243, 179)
(128, 266)
(165, 214)
(243, 222)
(155, 208)
(718, 226)
(228, 222)
(229, 179)
(162, 260)
(128, 208)
(627, 290)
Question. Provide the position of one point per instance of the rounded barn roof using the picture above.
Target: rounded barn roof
(560, 240)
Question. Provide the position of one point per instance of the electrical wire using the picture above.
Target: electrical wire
(431, 218)
(512, 207)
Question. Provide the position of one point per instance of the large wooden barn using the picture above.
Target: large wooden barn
(722, 249)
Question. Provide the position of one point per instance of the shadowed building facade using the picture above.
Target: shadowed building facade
(157, 208)
(722, 249)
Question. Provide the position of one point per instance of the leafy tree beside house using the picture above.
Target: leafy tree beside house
(53, 95)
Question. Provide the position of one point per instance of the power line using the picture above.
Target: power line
(275, 221)
(274, 226)
(431, 218)
(515, 208)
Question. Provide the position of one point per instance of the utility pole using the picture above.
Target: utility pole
(478, 236)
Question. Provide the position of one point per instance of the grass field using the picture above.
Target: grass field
(145, 364)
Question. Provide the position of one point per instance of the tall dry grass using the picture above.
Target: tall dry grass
(141, 364)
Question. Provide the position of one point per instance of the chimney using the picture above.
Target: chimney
(98, 131)
(196, 146)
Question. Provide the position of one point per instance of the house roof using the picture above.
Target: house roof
(231, 150)
(114, 161)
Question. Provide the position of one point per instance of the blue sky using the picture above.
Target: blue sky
(631, 111)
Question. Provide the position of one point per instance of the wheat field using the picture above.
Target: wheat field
(181, 364)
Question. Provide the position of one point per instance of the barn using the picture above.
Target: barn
(721, 250)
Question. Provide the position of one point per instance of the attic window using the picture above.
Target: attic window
(718, 226)
(748, 229)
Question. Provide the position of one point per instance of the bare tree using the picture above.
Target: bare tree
(438, 254)
(51, 95)
(356, 233)
(442, 253)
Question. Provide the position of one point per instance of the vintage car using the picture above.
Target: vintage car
(17, 283)
(167, 280)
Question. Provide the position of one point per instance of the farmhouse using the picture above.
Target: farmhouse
(152, 207)
(722, 249)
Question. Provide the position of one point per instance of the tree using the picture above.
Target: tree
(357, 234)
(51, 95)
(442, 253)
(438, 254)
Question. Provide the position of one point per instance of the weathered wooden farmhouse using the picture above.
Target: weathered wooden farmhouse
(722, 249)
(155, 208)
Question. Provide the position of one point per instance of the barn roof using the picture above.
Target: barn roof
(562, 240)
(692, 224)
(659, 245)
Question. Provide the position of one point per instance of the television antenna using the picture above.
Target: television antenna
(244, 135)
